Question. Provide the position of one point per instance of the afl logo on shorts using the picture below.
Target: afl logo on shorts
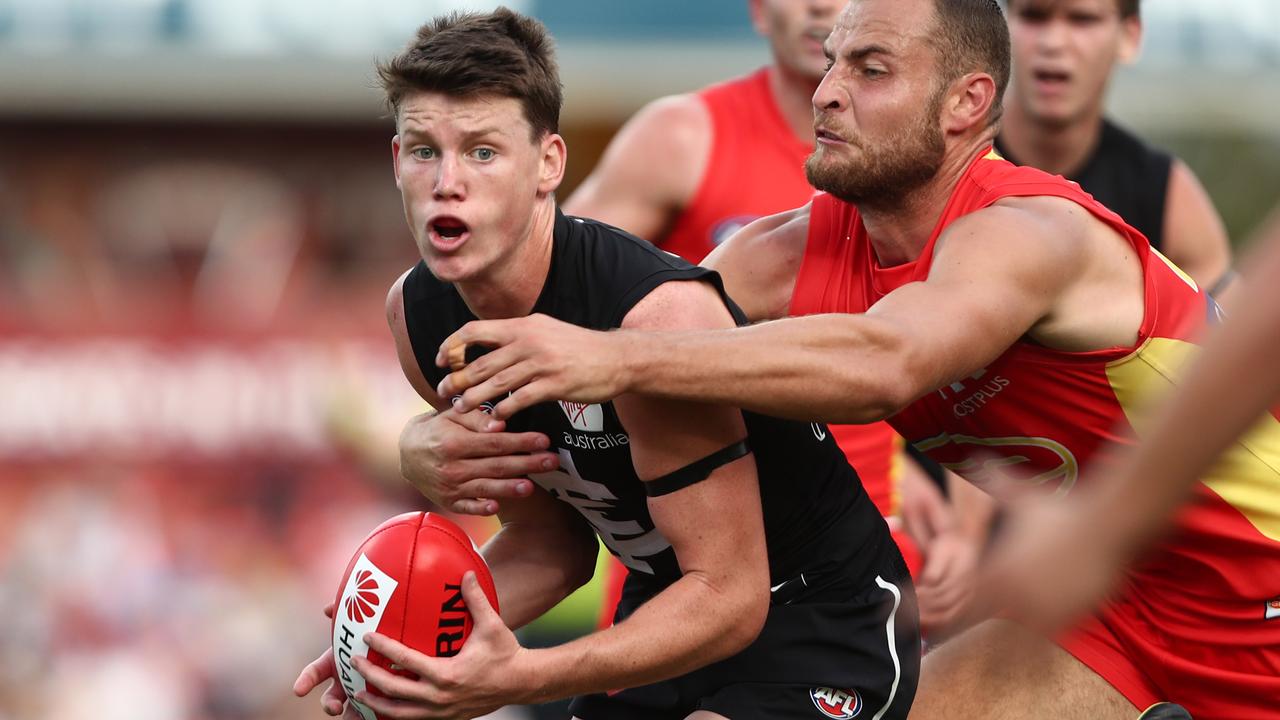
(838, 704)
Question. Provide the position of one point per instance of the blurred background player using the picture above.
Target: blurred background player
(1064, 53)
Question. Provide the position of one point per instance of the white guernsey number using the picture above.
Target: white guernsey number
(624, 537)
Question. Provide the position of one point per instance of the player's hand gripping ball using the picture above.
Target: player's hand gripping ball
(405, 582)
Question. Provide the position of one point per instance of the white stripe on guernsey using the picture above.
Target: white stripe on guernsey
(893, 648)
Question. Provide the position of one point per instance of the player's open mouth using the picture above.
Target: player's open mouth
(827, 137)
(1052, 80)
(447, 232)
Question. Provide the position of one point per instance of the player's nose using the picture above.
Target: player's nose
(1052, 37)
(829, 96)
(448, 184)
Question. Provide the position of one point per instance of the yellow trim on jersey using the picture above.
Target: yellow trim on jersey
(1177, 270)
(992, 155)
(1248, 475)
(897, 465)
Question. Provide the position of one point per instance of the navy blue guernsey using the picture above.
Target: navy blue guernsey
(817, 517)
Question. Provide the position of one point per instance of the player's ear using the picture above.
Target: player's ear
(967, 102)
(554, 158)
(395, 156)
(1130, 39)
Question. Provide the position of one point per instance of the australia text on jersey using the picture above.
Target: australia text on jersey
(589, 418)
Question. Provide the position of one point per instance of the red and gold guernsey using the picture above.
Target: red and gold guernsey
(756, 168)
(1205, 607)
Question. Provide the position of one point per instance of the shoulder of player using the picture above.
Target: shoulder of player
(397, 320)
(681, 119)
(1194, 233)
(414, 285)
(760, 263)
(679, 305)
(395, 305)
(1185, 187)
(678, 124)
(1049, 230)
(766, 239)
(618, 248)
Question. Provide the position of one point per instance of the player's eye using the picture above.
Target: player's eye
(874, 72)
(484, 154)
(423, 153)
(1084, 19)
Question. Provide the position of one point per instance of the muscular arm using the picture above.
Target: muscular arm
(650, 170)
(1194, 237)
(988, 286)
(544, 551)
(715, 528)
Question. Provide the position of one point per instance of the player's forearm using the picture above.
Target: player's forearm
(532, 574)
(830, 368)
(687, 626)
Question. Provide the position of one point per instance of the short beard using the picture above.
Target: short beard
(887, 171)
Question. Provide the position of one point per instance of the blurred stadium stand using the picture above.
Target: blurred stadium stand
(197, 229)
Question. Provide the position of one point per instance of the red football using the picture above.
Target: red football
(405, 582)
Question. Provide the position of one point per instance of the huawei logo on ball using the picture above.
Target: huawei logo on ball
(363, 601)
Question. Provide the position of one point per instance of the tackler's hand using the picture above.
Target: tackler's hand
(533, 359)
(467, 463)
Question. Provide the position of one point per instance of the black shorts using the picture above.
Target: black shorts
(830, 648)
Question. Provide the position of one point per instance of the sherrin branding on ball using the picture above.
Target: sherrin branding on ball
(405, 582)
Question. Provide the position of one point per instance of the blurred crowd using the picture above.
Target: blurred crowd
(199, 402)
(201, 406)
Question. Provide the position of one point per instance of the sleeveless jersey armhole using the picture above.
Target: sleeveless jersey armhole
(821, 217)
(421, 339)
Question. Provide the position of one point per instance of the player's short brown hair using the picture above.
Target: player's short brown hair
(500, 53)
(972, 36)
